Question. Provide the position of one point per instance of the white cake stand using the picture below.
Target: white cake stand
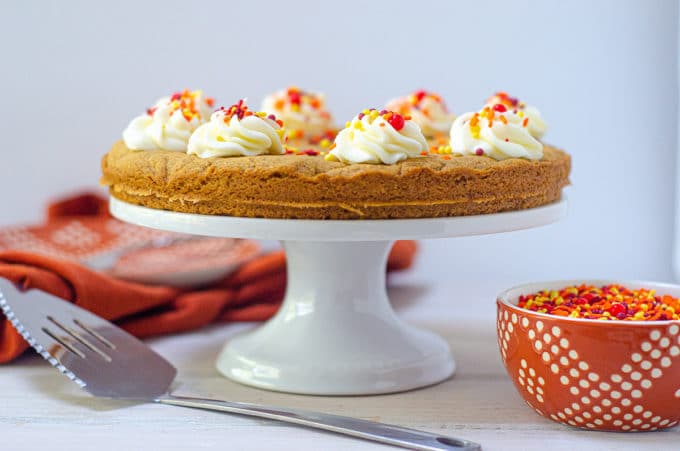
(336, 332)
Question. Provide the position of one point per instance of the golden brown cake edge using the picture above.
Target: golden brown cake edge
(308, 187)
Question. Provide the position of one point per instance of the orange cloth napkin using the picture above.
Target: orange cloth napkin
(251, 293)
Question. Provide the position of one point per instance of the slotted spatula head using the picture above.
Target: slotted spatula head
(97, 355)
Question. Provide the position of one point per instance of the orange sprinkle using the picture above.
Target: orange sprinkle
(525, 122)
(503, 119)
(446, 157)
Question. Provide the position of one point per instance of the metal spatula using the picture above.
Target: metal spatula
(108, 362)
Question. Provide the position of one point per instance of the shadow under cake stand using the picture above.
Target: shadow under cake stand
(336, 332)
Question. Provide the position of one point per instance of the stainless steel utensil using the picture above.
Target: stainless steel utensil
(108, 362)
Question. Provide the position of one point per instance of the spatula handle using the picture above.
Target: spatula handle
(369, 430)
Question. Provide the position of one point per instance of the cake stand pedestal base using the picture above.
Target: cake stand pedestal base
(336, 332)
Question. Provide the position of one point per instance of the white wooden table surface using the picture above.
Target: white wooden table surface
(40, 409)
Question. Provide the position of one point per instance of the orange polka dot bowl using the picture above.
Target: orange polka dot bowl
(594, 374)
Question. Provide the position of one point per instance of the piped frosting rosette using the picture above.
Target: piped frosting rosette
(378, 137)
(237, 131)
(169, 123)
(307, 120)
(537, 126)
(496, 132)
(427, 109)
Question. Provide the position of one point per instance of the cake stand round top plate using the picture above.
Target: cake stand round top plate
(337, 230)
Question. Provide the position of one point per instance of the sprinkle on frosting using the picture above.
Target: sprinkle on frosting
(169, 123)
(495, 131)
(502, 98)
(532, 117)
(304, 112)
(186, 102)
(396, 120)
(427, 109)
(378, 136)
(241, 110)
(238, 131)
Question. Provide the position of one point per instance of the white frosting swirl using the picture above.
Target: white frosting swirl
(487, 134)
(169, 123)
(370, 138)
(228, 136)
(427, 110)
(302, 112)
(537, 126)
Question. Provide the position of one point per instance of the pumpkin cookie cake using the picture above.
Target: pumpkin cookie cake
(380, 166)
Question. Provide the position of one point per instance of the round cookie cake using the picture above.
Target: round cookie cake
(237, 162)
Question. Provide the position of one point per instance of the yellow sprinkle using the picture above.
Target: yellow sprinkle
(325, 143)
(220, 139)
(520, 114)
(260, 114)
(347, 124)
(330, 157)
(474, 130)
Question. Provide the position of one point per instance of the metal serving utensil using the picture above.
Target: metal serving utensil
(108, 362)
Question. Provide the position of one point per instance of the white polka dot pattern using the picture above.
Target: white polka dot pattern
(596, 401)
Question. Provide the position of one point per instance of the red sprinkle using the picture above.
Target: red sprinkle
(479, 151)
(310, 152)
(618, 309)
(500, 108)
(294, 97)
(396, 121)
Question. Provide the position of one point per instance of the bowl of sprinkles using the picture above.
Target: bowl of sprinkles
(594, 354)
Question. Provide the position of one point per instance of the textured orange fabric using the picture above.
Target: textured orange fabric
(252, 293)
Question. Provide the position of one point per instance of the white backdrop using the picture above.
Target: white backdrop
(603, 73)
